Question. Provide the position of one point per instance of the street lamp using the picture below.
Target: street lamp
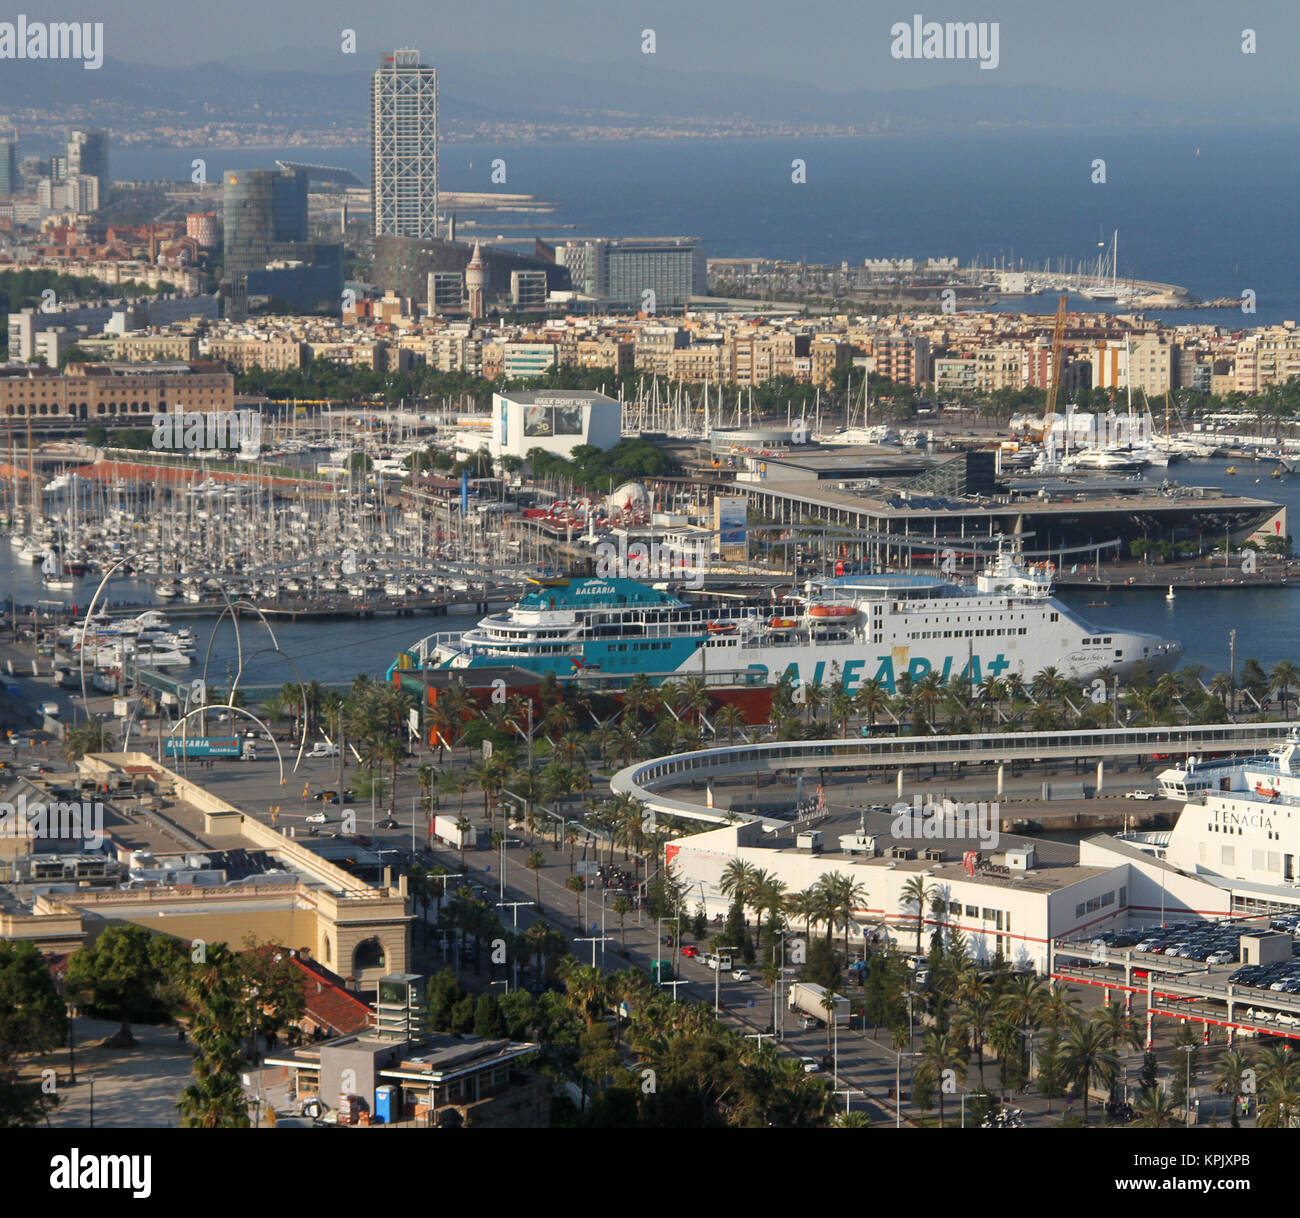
(504, 841)
(1187, 1092)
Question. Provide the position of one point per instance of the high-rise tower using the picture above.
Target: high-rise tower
(404, 146)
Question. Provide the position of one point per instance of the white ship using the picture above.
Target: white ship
(1241, 820)
(844, 631)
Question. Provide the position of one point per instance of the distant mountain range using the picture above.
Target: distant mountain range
(286, 89)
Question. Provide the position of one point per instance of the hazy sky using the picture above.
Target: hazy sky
(1144, 48)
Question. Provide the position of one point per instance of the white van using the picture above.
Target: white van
(321, 749)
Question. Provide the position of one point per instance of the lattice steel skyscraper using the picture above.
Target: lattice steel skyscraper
(404, 146)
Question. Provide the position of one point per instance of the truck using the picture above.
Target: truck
(808, 998)
(445, 830)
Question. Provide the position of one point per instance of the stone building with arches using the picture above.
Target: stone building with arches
(123, 394)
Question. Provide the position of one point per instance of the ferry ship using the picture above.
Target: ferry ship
(1241, 819)
(846, 630)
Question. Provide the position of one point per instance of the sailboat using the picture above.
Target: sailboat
(1169, 596)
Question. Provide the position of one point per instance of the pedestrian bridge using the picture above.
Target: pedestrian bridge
(646, 779)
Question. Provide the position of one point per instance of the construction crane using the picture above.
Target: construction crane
(1058, 339)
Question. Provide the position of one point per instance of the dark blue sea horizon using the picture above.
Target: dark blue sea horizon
(1209, 210)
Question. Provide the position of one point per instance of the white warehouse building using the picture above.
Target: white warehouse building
(1040, 892)
(556, 420)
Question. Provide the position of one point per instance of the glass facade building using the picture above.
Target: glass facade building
(88, 157)
(265, 211)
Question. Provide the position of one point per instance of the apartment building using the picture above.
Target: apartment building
(457, 352)
(1148, 356)
(617, 355)
(825, 354)
(954, 375)
(761, 356)
(1270, 357)
(707, 362)
(1000, 366)
(901, 358)
(271, 354)
(527, 359)
(654, 346)
(144, 348)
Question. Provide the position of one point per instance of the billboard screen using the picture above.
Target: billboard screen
(732, 521)
(552, 420)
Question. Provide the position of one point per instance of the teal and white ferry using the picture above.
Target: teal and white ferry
(850, 629)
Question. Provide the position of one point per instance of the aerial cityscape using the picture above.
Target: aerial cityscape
(609, 573)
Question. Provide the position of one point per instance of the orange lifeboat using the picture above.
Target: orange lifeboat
(722, 627)
(1267, 792)
(781, 623)
(832, 611)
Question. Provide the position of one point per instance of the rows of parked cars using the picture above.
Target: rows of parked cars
(1281, 976)
(1204, 942)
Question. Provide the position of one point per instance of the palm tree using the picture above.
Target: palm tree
(814, 698)
(1279, 1089)
(802, 905)
(1156, 1109)
(737, 881)
(392, 751)
(1230, 1076)
(973, 1017)
(463, 827)
(729, 718)
(1122, 1030)
(870, 700)
(1060, 1007)
(576, 886)
(844, 895)
(1283, 678)
(89, 737)
(535, 861)
(622, 906)
(916, 892)
(926, 694)
(941, 1055)
(1021, 1005)
(1089, 1058)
